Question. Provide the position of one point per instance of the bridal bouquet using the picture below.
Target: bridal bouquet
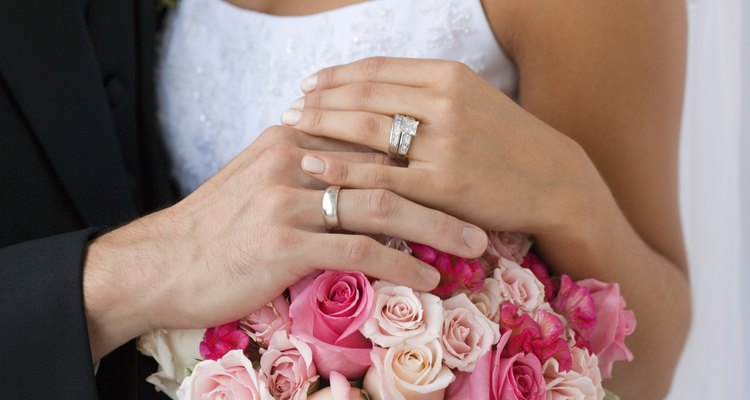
(499, 327)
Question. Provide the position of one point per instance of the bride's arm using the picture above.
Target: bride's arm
(610, 75)
(596, 184)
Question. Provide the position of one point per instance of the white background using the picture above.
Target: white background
(715, 188)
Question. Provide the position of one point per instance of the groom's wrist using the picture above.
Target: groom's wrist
(123, 279)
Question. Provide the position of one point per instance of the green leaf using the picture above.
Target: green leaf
(610, 396)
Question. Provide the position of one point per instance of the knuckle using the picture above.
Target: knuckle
(382, 203)
(282, 238)
(315, 119)
(357, 249)
(278, 199)
(278, 155)
(456, 69)
(369, 124)
(363, 93)
(381, 179)
(372, 66)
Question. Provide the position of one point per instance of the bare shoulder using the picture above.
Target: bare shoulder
(609, 74)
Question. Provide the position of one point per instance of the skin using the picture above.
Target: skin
(591, 174)
(242, 238)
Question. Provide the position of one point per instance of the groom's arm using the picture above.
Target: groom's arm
(44, 344)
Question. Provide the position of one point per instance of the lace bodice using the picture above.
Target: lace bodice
(226, 73)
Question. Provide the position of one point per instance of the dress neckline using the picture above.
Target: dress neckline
(338, 10)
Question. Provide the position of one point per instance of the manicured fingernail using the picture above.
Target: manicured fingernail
(313, 165)
(310, 83)
(298, 104)
(291, 117)
(430, 276)
(475, 237)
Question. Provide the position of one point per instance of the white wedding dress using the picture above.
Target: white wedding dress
(226, 74)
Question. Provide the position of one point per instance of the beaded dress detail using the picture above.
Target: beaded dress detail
(226, 74)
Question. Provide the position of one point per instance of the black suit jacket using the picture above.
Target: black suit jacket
(79, 153)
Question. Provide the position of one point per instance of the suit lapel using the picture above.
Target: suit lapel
(48, 62)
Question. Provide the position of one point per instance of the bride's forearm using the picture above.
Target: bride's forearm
(593, 238)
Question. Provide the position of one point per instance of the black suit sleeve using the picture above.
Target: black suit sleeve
(44, 347)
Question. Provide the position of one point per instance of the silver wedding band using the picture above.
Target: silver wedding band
(403, 130)
(330, 208)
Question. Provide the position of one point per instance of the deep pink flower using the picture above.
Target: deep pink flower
(537, 267)
(456, 273)
(575, 303)
(512, 246)
(543, 337)
(222, 339)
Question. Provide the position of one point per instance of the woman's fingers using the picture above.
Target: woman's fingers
(379, 211)
(365, 128)
(361, 253)
(335, 170)
(379, 98)
(400, 71)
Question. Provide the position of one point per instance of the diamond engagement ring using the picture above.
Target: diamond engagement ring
(330, 208)
(403, 130)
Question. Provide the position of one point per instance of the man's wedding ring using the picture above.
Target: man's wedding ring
(330, 208)
(403, 130)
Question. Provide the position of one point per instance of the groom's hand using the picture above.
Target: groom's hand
(252, 230)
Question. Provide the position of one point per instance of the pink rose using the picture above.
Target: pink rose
(271, 318)
(499, 377)
(413, 372)
(219, 340)
(577, 306)
(230, 378)
(467, 334)
(511, 246)
(614, 323)
(399, 314)
(287, 367)
(582, 382)
(520, 286)
(327, 312)
(518, 377)
(340, 389)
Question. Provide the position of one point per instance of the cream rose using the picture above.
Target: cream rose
(488, 299)
(408, 372)
(467, 334)
(340, 389)
(582, 382)
(520, 286)
(401, 315)
(176, 352)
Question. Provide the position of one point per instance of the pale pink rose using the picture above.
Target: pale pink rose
(230, 378)
(340, 389)
(511, 246)
(287, 368)
(271, 318)
(488, 299)
(540, 270)
(614, 323)
(401, 315)
(408, 372)
(582, 382)
(327, 312)
(521, 287)
(467, 334)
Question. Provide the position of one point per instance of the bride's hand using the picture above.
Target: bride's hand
(476, 151)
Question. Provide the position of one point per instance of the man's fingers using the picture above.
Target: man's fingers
(361, 253)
